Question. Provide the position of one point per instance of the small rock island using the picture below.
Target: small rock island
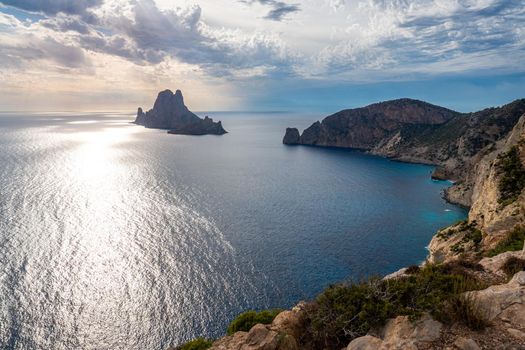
(169, 112)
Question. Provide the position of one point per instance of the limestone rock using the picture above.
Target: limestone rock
(367, 342)
(448, 244)
(505, 302)
(233, 342)
(466, 344)
(401, 330)
(495, 263)
(397, 274)
(290, 322)
(517, 334)
(170, 112)
(401, 334)
(264, 337)
(260, 337)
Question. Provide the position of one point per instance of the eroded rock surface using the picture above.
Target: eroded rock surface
(400, 334)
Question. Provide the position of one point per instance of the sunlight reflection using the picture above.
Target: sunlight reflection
(75, 122)
(95, 157)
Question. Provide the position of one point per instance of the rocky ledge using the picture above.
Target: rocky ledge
(170, 112)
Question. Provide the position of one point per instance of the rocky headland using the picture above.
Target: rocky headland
(416, 131)
(169, 112)
(470, 292)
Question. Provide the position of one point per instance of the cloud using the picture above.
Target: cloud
(336, 4)
(63, 23)
(151, 34)
(374, 39)
(140, 32)
(279, 10)
(396, 37)
(52, 7)
(47, 48)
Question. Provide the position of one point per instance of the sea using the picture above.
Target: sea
(113, 236)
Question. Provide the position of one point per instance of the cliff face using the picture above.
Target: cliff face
(496, 209)
(365, 127)
(170, 112)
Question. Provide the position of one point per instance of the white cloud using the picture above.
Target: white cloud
(229, 42)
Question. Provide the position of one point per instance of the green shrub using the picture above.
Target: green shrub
(412, 269)
(246, 320)
(345, 312)
(196, 344)
(462, 267)
(448, 231)
(512, 176)
(471, 234)
(513, 242)
(513, 265)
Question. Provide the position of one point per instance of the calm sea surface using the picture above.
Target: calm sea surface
(113, 236)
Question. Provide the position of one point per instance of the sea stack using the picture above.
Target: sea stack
(169, 112)
(292, 137)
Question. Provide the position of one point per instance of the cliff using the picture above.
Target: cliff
(170, 112)
(366, 127)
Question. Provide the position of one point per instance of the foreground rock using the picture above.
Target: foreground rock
(505, 302)
(170, 112)
(400, 334)
(495, 264)
(283, 334)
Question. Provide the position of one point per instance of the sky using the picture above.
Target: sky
(261, 55)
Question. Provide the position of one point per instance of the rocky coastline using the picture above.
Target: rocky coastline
(418, 132)
(470, 292)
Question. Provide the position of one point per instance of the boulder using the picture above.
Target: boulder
(494, 264)
(232, 342)
(401, 334)
(260, 337)
(466, 344)
(517, 334)
(400, 331)
(504, 302)
(367, 342)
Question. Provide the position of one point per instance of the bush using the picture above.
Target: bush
(464, 309)
(513, 265)
(513, 242)
(197, 344)
(470, 234)
(512, 180)
(462, 267)
(345, 312)
(246, 320)
(412, 269)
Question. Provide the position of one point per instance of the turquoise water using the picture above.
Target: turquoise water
(115, 236)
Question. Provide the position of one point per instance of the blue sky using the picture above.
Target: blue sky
(312, 55)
